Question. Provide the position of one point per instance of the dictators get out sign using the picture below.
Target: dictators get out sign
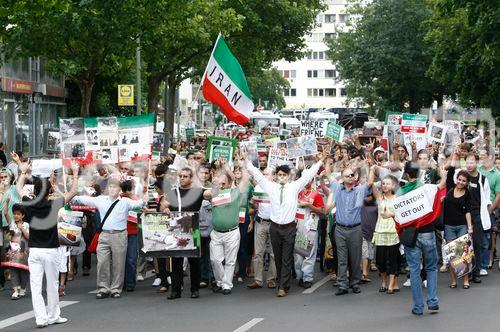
(414, 204)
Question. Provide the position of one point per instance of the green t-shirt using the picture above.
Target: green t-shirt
(493, 177)
(226, 216)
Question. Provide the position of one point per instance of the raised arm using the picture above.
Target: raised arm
(74, 183)
(259, 177)
(23, 167)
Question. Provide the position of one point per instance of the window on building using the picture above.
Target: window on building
(286, 73)
(329, 73)
(343, 18)
(293, 73)
(343, 92)
(316, 37)
(312, 74)
(321, 92)
(330, 36)
(293, 92)
(330, 18)
(330, 92)
(319, 18)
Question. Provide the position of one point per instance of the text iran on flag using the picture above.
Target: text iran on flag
(225, 85)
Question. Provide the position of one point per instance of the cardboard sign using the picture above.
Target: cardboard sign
(459, 254)
(301, 146)
(335, 132)
(278, 157)
(221, 147)
(69, 227)
(313, 128)
(175, 235)
(420, 141)
(436, 132)
(414, 123)
(414, 204)
(45, 167)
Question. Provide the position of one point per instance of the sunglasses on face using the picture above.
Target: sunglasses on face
(349, 175)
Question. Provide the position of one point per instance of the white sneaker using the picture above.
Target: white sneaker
(407, 283)
(483, 272)
(61, 320)
(240, 280)
(22, 292)
(140, 277)
(424, 283)
(15, 295)
(157, 282)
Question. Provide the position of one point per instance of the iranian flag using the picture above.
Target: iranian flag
(417, 205)
(225, 85)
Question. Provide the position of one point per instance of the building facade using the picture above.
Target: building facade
(314, 80)
(31, 100)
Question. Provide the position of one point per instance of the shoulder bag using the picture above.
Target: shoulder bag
(92, 248)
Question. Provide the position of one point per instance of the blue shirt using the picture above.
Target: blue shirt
(348, 203)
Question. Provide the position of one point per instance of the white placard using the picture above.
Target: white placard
(414, 204)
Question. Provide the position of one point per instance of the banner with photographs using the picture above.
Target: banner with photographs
(459, 254)
(52, 141)
(170, 235)
(278, 157)
(301, 146)
(107, 139)
(436, 132)
(69, 227)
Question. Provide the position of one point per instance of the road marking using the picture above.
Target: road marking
(28, 315)
(317, 285)
(149, 274)
(249, 325)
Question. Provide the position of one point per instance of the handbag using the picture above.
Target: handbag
(92, 248)
(408, 236)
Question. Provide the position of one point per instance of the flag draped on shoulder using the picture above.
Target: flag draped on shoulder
(417, 205)
(225, 85)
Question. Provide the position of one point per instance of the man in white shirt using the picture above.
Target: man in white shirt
(283, 199)
(262, 235)
(113, 238)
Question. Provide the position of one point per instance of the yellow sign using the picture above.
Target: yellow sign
(126, 95)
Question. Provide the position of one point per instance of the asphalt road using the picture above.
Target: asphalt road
(260, 310)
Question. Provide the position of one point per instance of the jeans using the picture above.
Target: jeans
(454, 232)
(131, 262)
(243, 250)
(485, 251)
(477, 240)
(207, 274)
(426, 247)
(304, 266)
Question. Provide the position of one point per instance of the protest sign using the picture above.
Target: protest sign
(335, 132)
(17, 255)
(251, 148)
(414, 123)
(69, 227)
(420, 142)
(414, 204)
(158, 142)
(45, 167)
(189, 133)
(436, 132)
(313, 128)
(174, 235)
(52, 140)
(301, 146)
(221, 147)
(459, 254)
(261, 149)
(278, 157)
(393, 119)
(285, 132)
(106, 139)
(273, 141)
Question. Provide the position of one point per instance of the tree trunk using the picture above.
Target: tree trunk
(154, 83)
(169, 126)
(86, 88)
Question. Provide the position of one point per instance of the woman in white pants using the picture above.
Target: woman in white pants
(44, 258)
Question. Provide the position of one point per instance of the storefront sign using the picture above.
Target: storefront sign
(16, 86)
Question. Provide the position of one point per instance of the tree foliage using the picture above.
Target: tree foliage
(80, 39)
(269, 86)
(382, 56)
(464, 42)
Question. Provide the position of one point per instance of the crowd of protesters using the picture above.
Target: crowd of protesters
(340, 200)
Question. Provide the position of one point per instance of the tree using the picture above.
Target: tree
(269, 86)
(464, 42)
(80, 39)
(383, 58)
(258, 32)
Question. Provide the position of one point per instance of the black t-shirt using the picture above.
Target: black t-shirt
(42, 217)
(456, 208)
(191, 199)
(475, 193)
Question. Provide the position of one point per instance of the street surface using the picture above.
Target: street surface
(144, 309)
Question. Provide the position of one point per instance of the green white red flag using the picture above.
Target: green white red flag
(225, 85)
